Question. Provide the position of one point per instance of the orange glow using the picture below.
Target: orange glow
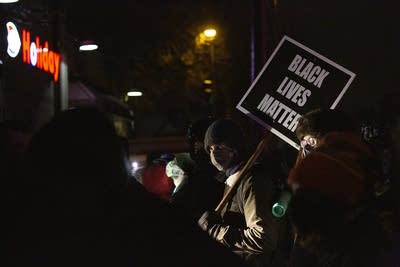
(26, 37)
(39, 58)
(45, 57)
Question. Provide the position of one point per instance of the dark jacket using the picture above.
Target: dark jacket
(199, 192)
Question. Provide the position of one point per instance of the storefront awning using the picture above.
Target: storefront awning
(82, 95)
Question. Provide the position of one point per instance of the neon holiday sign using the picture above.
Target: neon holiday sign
(34, 51)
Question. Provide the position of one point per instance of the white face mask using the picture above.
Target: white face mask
(172, 170)
(221, 157)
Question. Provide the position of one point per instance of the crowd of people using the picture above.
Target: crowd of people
(71, 201)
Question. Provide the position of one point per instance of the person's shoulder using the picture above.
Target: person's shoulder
(258, 176)
(258, 171)
(253, 174)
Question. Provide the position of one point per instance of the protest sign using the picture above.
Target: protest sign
(294, 80)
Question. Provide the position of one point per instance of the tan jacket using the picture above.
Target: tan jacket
(248, 227)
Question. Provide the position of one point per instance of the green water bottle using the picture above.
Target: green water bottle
(280, 207)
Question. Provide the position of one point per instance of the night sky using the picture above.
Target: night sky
(359, 35)
(130, 28)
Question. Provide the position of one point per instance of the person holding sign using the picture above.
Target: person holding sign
(245, 223)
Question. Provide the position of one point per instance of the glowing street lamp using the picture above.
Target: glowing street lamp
(206, 37)
(134, 93)
(210, 33)
(88, 46)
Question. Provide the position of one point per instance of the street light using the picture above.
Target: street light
(210, 33)
(206, 38)
(209, 37)
(88, 46)
(134, 93)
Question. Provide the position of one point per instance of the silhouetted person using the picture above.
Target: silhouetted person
(77, 209)
(179, 171)
(205, 181)
(315, 124)
(14, 139)
(75, 173)
(155, 180)
(333, 208)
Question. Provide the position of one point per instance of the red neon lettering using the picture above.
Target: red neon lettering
(57, 64)
(47, 60)
(26, 42)
(51, 62)
(45, 56)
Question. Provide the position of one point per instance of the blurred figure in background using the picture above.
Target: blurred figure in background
(315, 124)
(333, 208)
(14, 139)
(206, 184)
(69, 192)
(180, 170)
(76, 208)
(154, 178)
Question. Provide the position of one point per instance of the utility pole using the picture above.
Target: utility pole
(60, 88)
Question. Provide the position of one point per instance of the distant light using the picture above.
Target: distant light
(8, 1)
(88, 47)
(210, 33)
(134, 93)
(1, 62)
(208, 90)
(135, 165)
(207, 81)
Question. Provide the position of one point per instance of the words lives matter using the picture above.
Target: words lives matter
(294, 91)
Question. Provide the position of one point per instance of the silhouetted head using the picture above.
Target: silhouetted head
(195, 136)
(315, 124)
(14, 138)
(78, 150)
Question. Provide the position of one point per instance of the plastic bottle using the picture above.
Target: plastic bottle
(280, 207)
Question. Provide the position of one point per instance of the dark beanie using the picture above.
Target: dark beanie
(227, 132)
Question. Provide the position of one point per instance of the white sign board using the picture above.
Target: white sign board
(295, 80)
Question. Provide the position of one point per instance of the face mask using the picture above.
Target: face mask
(221, 158)
(172, 170)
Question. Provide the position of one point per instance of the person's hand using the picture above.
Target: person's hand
(208, 219)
